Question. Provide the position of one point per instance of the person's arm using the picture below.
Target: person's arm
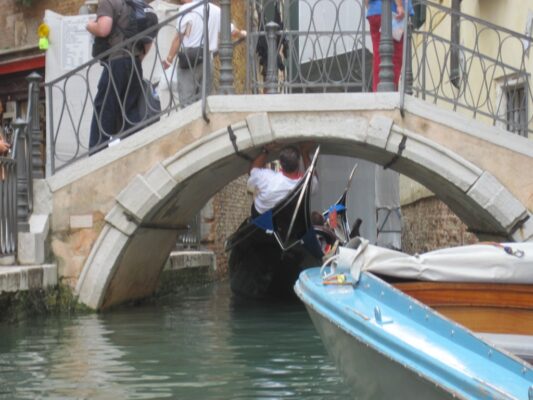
(400, 12)
(237, 33)
(305, 148)
(261, 160)
(174, 47)
(146, 48)
(101, 27)
(4, 146)
(366, 3)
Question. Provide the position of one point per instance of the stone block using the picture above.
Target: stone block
(259, 127)
(22, 278)
(497, 201)
(192, 259)
(32, 245)
(160, 180)
(81, 221)
(42, 197)
(117, 218)
(99, 267)
(378, 131)
(138, 197)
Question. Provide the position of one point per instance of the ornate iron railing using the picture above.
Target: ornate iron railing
(8, 206)
(17, 171)
(71, 97)
(474, 67)
(308, 46)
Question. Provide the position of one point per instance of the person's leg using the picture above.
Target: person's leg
(100, 123)
(374, 22)
(133, 92)
(186, 87)
(397, 61)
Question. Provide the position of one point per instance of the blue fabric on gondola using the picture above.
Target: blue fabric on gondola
(336, 207)
(311, 243)
(264, 221)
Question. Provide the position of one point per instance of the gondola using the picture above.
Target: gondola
(267, 253)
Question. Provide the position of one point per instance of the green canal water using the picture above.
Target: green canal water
(203, 344)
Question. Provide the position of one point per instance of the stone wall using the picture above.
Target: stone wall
(429, 224)
(231, 206)
(18, 23)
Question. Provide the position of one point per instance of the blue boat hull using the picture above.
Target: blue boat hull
(388, 346)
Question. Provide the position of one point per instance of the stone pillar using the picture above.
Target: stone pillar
(20, 154)
(386, 49)
(34, 128)
(226, 49)
(271, 81)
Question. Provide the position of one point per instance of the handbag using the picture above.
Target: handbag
(100, 45)
(190, 57)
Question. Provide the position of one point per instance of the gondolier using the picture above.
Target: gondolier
(270, 187)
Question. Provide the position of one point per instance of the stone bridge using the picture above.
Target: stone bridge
(115, 215)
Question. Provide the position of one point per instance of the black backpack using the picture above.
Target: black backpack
(137, 22)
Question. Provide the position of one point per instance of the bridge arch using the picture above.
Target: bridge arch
(119, 268)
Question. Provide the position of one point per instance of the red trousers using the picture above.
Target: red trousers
(375, 27)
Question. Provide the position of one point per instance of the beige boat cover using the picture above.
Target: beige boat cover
(484, 262)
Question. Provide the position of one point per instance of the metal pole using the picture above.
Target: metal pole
(271, 83)
(20, 153)
(37, 164)
(386, 49)
(455, 74)
(206, 66)
(408, 60)
(226, 49)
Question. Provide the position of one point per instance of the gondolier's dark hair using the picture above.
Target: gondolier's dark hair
(289, 158)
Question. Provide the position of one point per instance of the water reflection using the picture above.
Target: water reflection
(200, 345)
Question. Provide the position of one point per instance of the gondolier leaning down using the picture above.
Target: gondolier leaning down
(269, 186)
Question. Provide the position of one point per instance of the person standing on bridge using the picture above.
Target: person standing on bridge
(188, 43)
(119, 88)
(270, 187)
(374, 20)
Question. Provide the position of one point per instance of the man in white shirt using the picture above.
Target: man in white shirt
(271, 187)
(188, 43)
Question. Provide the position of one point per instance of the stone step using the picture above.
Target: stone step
(20, 278)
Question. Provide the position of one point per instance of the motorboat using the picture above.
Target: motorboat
(389, 344)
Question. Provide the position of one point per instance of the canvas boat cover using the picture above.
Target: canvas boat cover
(484, 262)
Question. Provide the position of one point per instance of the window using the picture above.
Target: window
(515, 98)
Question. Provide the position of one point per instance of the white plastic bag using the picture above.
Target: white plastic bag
(397, 27)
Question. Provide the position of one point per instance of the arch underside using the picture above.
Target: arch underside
(126, 261)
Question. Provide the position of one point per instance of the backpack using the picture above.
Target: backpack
(138, 21)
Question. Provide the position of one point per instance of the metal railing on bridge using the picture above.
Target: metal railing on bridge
(472, 66)
(296, 46)
(76, 128)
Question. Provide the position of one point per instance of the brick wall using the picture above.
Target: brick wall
(230, 207)
(428, 224)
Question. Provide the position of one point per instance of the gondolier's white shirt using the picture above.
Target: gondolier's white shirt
(270, 187)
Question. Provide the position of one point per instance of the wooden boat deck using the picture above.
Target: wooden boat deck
(481, 307)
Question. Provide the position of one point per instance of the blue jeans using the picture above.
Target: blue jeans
(116, 101)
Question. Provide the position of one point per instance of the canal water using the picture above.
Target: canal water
(202, 344)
